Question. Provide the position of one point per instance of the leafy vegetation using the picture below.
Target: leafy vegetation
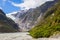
(50, 23)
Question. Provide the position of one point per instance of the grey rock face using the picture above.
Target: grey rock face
(27, 19)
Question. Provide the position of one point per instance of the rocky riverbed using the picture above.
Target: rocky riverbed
(21, 36)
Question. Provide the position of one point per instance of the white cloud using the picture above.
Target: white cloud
(27, 4)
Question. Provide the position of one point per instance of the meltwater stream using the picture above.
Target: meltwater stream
(21, 36)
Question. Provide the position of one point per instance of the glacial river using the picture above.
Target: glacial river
(20, 36)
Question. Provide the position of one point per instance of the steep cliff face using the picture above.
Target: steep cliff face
(28, 18)
(50, 25)
(6, 24)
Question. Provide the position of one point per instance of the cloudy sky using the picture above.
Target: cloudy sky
(9, 6)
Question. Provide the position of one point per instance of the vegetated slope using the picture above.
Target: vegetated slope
(6, 24)
(50, 23)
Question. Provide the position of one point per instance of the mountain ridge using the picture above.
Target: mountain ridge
(6, 24)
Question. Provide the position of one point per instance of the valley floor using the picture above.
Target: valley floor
(21, 36)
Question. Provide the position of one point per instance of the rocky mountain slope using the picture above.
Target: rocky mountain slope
(27, 19)
(50, 25)
(6, 24)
